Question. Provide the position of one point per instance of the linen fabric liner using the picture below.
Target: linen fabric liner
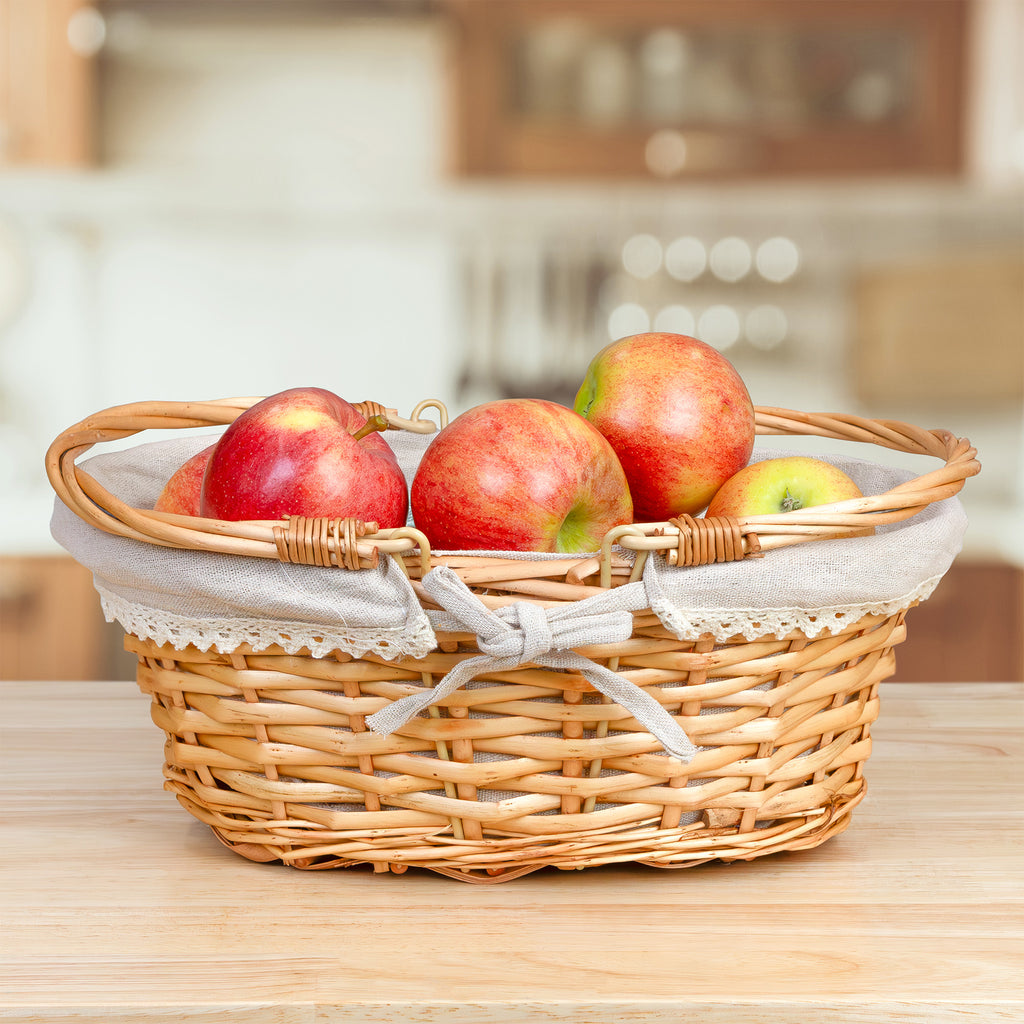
(213, 600)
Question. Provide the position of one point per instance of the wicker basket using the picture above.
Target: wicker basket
(535, 768)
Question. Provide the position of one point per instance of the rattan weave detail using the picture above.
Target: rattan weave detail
(527, 767)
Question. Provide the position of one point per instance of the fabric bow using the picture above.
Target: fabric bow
(524, 632)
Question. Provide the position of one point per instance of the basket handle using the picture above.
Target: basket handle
(312, 541)
(686, 541)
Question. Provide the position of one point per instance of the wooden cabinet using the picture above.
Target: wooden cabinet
(679, 89)
(51, 624)
(970, 630)
(47, 82)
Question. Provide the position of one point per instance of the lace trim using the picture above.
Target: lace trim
(723, 623)
(163, 627)
(225, 635)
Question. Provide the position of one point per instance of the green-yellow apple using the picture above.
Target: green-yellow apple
(678, 415)
(519, 474)
(182, 492)
(304, 452)
(782, 485)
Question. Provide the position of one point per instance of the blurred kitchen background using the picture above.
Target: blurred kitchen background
(407, 199)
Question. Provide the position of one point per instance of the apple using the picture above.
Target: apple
(519, 474)
(304, 452)
(182, 492)
(782, 485)
(677, 414)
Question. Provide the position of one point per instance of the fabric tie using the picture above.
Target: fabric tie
(526, 633)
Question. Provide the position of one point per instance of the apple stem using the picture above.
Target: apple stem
(791, 504)
(372, 425)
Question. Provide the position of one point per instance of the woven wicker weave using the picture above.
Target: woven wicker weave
(530, 767)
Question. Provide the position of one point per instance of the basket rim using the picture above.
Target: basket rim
(353, 544)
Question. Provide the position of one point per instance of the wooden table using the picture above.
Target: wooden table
(118, 906)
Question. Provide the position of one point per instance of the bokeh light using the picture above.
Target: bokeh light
(766, 327)
(778, 259)
(730, 259)
(629, 318)
(686, 258)
(719, 326)
(675, 319)
(642, 256)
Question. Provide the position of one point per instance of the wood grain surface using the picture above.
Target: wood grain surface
(118, 906)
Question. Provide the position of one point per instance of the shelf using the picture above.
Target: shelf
(691, 89)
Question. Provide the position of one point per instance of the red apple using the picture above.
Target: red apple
(304, 452)
(782, 485)
(677, 414)
(519, 474)
(181, 494)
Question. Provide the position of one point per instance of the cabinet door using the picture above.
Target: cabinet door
(47, 82)
(679, 89)
(970, 630)
(51, 624)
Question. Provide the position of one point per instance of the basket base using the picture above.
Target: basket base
(492, 861)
